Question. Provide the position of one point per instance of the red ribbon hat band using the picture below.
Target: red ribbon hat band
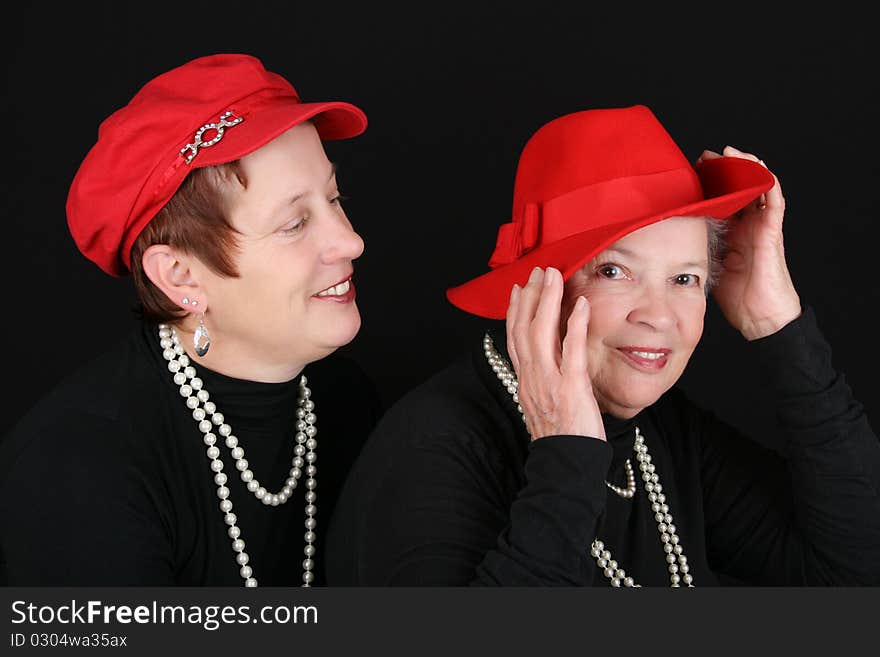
(208, 111)
(585, 180)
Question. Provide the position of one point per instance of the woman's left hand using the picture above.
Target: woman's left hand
(755, 292)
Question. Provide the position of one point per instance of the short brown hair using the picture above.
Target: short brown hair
(196, 221)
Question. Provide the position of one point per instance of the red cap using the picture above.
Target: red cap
(211, 110)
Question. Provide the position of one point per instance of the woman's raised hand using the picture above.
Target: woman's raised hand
(756, 293)
(555, 391)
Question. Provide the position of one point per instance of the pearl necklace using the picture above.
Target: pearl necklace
(192, 389)
(675, 557)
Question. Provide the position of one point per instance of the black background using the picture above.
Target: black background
(452, 93)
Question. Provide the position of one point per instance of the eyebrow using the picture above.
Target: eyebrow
(293, 199)
(631, 254)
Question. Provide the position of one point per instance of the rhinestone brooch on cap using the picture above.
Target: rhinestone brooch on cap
(220, 127)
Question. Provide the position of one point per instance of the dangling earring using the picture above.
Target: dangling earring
(201, 338)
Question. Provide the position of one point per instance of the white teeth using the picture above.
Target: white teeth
(336, 290)
(647, 354)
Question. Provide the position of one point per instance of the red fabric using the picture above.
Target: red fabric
(136, 165)
(585, 180)
(517, 237)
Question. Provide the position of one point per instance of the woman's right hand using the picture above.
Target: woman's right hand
(554, 391)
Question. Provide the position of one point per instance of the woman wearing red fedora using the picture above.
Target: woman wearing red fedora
(560, 452)
(187, 454)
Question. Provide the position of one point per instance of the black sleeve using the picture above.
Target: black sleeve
(554, 519)
(813, 518)
(77, 510)
(441, 515)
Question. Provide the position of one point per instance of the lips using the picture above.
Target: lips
(338, 289)
(645, 358)
(341, 292)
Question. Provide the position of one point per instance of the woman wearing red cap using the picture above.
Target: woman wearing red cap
(560, 452)
(187, 454)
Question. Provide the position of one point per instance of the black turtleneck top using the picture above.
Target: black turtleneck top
(449, 490)
(106, 480)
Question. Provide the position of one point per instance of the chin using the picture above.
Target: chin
(341, 333)
(632, 400)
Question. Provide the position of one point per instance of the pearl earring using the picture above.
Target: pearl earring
(185, 301)
(201, 338)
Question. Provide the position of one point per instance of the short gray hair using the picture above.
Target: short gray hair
(717, 230)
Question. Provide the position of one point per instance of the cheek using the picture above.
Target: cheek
(576, 287)
(691, 326)
(607, 310)
(276, 270)
(569, 297)
(606, 318)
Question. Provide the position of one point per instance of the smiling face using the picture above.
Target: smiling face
(647, 304)
(293, 301)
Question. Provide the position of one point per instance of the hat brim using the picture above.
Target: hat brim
(729, 184)
(333, 120)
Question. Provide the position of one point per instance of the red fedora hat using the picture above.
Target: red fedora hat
(585, 180)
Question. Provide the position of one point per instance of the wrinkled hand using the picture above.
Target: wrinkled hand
(554, 384)
(755, 292)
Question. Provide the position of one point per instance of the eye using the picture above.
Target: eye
(338, 199)
(610, 271)
(294, 226)
(687, 280)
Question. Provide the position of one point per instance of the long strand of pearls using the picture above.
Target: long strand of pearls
(675, 557)
(197, 400)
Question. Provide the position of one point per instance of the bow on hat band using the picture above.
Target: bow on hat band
(517, 237)
(593, 206)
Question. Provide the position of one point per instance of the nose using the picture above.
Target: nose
(340, 242)
(653, 309)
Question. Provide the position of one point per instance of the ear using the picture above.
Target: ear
(174, 273)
